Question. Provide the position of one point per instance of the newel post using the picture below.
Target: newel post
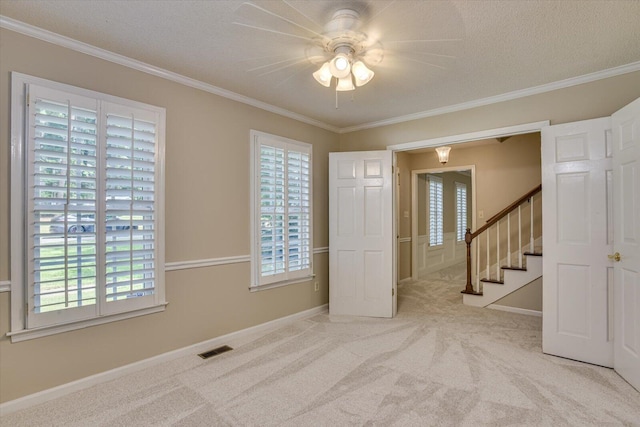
(467, 239)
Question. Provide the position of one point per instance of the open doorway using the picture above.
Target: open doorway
(507, 166)
(442, 206)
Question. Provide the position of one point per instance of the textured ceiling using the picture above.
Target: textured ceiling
(437, 53)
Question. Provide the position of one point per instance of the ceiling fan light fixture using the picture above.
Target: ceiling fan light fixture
(346, 49)
(361, 73)
(345, 84)
(323, 75)
(340, 65)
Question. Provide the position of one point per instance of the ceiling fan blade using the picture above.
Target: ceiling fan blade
(281, 18)
(437, 55)
(421, 41)
(409, 58)
(299, 12)
(290, 62)
(371, 18)
(268, 30)
(303, 69)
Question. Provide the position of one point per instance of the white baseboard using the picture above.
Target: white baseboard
(83, 383)
(405, 280)
(515, 310)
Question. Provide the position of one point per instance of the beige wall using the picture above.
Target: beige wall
(528, 297)
(504, 171)
(207, 216)
(404, 215)
(586, 101)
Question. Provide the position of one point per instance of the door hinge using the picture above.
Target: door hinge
(393, 292)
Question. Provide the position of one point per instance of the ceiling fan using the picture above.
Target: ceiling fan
(344, 43)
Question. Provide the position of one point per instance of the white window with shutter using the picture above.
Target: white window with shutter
(281, 238)
(436, 232)
(88, 173)
(461, 211)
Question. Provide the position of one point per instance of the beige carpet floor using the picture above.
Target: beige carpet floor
(437, 363)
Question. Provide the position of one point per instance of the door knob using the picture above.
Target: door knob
(616, 257)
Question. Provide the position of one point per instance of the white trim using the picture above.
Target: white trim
(5, 286)
(509, 96)
(211, 262)
(192, 350)
(515, 310)
(29, 334)
(258, 288)
(471, 136)
(69, 43)
(32, 325)
(258, 139)
(405, 280)
(404, 240)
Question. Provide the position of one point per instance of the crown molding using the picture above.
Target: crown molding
(561, 84)
(69, 43)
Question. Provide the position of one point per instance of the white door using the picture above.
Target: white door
(577, 228)
(626, 208)
(361, 234)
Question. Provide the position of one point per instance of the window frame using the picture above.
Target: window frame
(258, 281)
(19, 209)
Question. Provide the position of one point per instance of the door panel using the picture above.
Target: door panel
(576, 205)
(626, 205)
(361, 235)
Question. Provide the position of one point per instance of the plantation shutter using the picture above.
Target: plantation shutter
(299, 212)
(130, 207)
(461, 211)
(284, 204)
(92, 206)
(436, 235)
(61, 200)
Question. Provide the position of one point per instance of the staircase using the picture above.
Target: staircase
(500, 275)
(512, 279)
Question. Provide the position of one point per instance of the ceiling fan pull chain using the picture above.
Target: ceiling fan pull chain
(336, 94)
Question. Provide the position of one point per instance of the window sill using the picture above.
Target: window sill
(29, 334)
(280, 284)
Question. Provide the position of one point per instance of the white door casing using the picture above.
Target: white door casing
(626, 207)
(576, 201)
(361, 234)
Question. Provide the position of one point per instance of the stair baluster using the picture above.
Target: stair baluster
(486, 229)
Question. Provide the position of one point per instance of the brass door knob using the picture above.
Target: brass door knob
(616, 257)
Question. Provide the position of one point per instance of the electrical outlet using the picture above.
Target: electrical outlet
(316, 286)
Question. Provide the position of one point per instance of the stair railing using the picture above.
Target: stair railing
(495, 223)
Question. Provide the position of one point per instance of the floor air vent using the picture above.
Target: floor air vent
(215, 352)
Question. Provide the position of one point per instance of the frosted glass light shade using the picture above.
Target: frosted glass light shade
(345, 84)
(340, 66)
(443, 154)
(361, 73)
(323, 75)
